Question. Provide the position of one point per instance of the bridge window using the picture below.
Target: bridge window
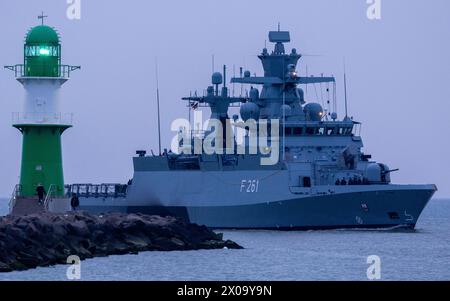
(291, 131)
(298, 131)
(310, 131)
(314, 130)
(288, 131)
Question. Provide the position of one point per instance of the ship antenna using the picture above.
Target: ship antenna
(345, 90)
(306, 69)
(240, 75)
(189, 107)
(234, 75)
(157, 102)
(284, 112)
(224, 76)
(334, 97)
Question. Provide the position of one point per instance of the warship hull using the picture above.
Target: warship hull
(377, 207)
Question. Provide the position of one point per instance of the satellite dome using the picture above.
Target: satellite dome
(334, 116)
(217, 78)
(42, 34)
(313, 111)
(286, 110)
(249, 110)
(247, 73)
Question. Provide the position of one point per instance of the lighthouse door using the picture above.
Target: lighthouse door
(39, 177)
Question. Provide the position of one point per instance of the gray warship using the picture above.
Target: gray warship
(321, 179)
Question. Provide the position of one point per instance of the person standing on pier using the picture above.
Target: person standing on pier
(74, 202)
(40, 192)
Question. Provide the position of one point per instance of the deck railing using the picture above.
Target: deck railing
(97, 190)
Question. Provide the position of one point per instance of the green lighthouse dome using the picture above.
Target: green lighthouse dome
(42, 57)
(42, 34)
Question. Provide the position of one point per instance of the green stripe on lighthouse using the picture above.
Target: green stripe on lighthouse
(41, 158)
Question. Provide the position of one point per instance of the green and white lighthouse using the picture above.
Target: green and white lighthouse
(41, 122)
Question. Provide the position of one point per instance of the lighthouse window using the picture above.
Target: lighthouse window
(41, 51)
(44, 51)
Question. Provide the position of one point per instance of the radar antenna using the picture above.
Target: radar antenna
(157, 102)
(345, 90)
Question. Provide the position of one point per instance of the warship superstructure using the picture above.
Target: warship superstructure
(321, 179)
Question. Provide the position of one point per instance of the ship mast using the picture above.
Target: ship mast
(345, 90)
(158, 108)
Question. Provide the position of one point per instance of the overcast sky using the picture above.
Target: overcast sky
(398, 74)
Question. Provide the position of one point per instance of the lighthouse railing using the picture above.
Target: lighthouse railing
(42, 118)
(16, 193)
(63, 71)
(49, 197)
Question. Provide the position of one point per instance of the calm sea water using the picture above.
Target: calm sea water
(269, 255)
